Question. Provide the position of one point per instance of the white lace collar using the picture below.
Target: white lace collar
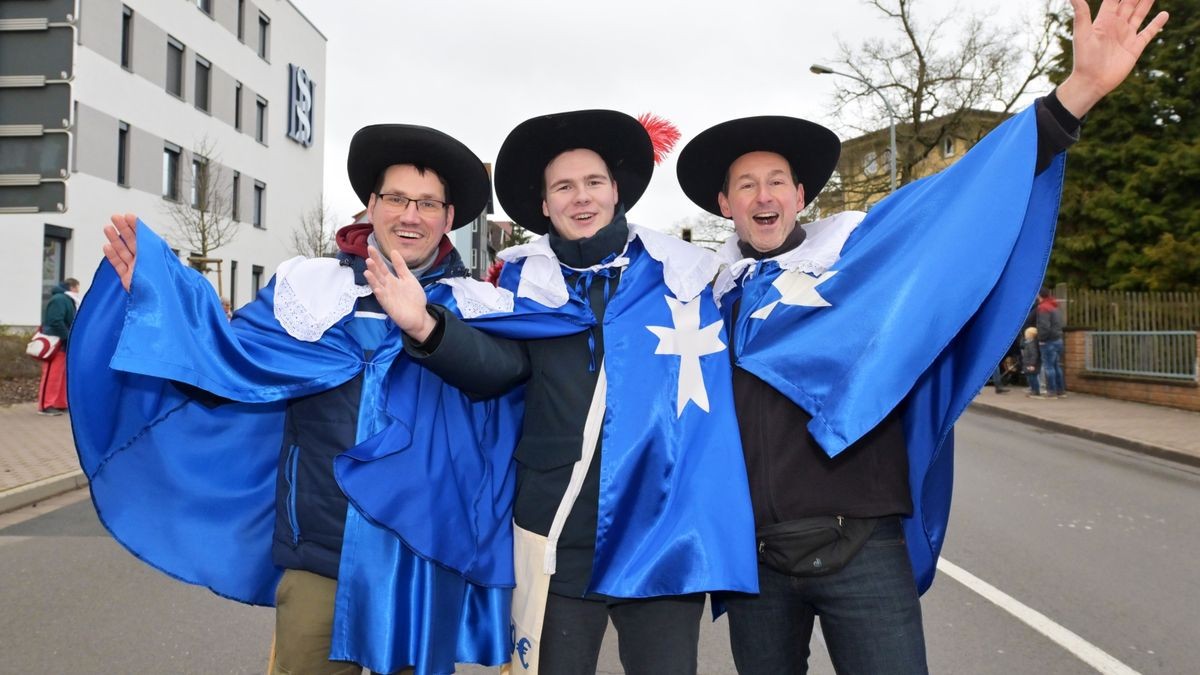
(821, 248)
(313, 294)
(687, 268)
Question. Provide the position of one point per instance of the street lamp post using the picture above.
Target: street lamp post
(818, 69)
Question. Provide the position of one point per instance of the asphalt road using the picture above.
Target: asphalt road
(1093, 545)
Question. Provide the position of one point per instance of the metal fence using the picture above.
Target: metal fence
(1167, 355)
(1119, 310)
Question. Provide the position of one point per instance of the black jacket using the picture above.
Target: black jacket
(560, 377)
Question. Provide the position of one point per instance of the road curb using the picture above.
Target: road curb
(31, 493)
(1091, 434)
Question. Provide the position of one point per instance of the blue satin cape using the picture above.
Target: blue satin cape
(674, 512)
(191, 490)
(927, 297)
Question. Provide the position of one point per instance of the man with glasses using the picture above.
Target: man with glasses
(211, 445)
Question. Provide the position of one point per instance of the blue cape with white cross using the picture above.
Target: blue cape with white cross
(918, 305)
(674, 512)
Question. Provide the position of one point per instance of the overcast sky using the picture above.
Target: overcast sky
(477, 69)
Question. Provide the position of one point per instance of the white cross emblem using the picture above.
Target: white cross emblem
(798, 289)
(689, 342)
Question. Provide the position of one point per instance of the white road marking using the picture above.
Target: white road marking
(1087, 652)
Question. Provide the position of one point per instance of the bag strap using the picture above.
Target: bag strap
(591, 434)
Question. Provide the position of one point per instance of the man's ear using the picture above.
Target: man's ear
(724, 204)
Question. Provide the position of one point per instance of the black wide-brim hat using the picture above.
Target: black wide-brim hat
(373, 149)
(810, 149)
(619, 139)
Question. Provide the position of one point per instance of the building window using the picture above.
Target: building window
(871, 163)
(54, 258)
(241, 20)
(126, 38)
(122, 153)
(199, 196)
(203, 70)
(205, 6)
(948, 147)
(233, 284)
(170, 185)
(260, 120)
(175, 67)
(235, 202)
(237, 106)
(256, 274)
(260, 197)
(264, 33)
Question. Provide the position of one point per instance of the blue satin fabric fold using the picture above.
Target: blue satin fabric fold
(927, 297)
(674, 514)
(191, 490)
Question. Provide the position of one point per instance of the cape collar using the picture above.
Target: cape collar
(821, 248)
(687, 268)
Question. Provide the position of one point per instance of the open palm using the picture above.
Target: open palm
(1107, 47)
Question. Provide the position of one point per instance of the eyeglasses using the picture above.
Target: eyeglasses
(400, 203)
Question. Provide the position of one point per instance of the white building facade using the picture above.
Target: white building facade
(163, 91)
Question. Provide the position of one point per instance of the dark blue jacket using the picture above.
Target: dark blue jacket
(310, 508)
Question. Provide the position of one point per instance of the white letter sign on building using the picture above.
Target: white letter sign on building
(300, 106)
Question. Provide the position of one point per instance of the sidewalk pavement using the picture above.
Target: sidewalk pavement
(38, 461)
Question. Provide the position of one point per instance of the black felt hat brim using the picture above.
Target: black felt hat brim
(521, 163)
(810, 149)
(373, 149)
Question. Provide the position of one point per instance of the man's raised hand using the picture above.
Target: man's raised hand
(1105, 49)
(400, 294)
(121, 249)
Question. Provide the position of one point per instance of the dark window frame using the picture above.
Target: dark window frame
(260, 120)
(256, 275)
(205, 6)
(235, 201)
(174, 46)
(264, 37)
(202, 90)
(172, 156)
(237, 106)
(258, 209)
(241, 20)
(126, 38)
(122, 153)
(199, 195)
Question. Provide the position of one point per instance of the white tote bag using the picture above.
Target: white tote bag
(535, 556)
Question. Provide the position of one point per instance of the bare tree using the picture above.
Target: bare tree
(937, 74)
(315, 236)
(202, 218)
(704, 229)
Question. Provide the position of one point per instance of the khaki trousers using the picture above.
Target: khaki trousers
(304, 626)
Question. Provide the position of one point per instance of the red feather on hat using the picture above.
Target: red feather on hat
(663, 135)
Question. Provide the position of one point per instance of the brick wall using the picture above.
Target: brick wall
(1185, 395)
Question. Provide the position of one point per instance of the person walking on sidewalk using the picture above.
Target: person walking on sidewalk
(1050, 342)
(1031, 361)
(56, 320)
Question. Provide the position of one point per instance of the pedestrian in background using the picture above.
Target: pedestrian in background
(1031, 361)
(1050, 342)
(57, 318)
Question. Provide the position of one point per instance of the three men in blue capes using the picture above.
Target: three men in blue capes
(661, 513)
(859, 339)
(211, 444)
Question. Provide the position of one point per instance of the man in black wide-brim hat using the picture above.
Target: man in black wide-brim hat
(316, 340)
(643, 540)
(862, 339)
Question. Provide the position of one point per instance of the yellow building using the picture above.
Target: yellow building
(863, 176)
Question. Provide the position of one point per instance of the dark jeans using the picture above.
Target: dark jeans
(656, 636)
(1052, 365)
(870, 615)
